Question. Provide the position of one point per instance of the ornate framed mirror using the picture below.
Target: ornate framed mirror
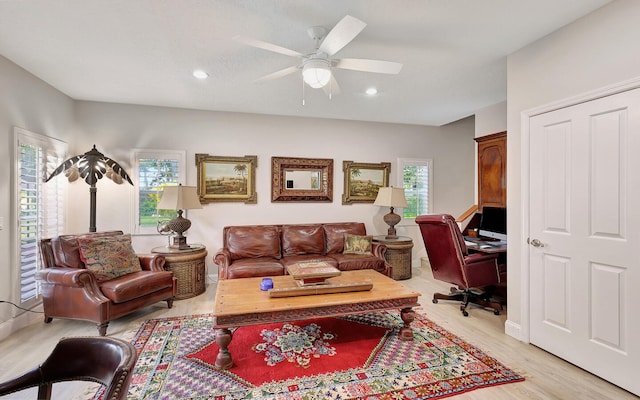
(301, 179)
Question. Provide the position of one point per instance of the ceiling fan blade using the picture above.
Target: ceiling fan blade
(332, 87)
(341, 34)
(267, 46)
(360, 64)
(278, 74)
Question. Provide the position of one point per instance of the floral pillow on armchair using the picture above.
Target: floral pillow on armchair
(108, 256)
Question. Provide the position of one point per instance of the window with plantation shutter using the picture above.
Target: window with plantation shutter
(40, 206)
(153, 170)
(416, 176)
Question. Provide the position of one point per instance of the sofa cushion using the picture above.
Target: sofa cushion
(335, 234)
(138, 284)
(357, 244)
(252, 241)
(108, 256)
(302, 239)
(254, 267)
(350, 262)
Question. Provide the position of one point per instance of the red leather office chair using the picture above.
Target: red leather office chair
(473, 274)
(105, 360)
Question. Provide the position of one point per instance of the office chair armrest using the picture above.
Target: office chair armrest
(479, 257)
(481, 269)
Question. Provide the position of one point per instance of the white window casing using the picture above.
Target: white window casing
(38, 206)
(152, 170)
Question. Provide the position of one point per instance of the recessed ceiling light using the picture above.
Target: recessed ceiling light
(200, 74)
(371, 91)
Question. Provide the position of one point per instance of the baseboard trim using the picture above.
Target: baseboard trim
(11, 326)
(514, 330)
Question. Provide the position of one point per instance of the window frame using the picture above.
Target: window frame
(425, 162)
(138, 154)
(59, 149)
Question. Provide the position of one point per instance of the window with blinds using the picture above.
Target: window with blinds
(40, 206)
(416, 177)
(155, 169)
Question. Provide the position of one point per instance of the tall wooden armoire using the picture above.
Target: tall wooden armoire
(492, 170)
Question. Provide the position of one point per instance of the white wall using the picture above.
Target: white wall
(596, 51)
(492, 119)
(116, 128)
(29, 103)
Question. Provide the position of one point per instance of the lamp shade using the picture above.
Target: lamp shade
(179, 198)
(390, 197)
(316, 73)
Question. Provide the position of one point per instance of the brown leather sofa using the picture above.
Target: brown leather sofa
(69, 290)
(266, 250)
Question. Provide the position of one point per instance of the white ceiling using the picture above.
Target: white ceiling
(143, 52)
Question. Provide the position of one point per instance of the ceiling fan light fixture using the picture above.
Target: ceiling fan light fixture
(316, 73)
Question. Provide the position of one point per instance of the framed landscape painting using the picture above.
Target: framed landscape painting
(362, 181)
(226, 178)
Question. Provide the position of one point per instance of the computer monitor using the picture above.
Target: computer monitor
(493, 223)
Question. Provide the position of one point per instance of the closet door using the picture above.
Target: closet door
(585, 235)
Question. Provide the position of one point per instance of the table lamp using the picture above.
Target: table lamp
(179, 198)
(391, 197)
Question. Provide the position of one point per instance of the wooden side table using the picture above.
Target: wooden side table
(188, 267)
(398, 255)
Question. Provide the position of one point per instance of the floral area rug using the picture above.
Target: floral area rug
(332, 358)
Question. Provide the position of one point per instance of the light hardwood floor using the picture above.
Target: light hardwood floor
(547, 377)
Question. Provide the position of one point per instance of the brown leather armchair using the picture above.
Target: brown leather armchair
(69, 290)
(475, 275)
(108, 361)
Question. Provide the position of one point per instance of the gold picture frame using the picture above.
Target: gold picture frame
(362, 181)
(301, 179)
(223, 178)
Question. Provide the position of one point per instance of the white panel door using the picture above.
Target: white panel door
(585, 236)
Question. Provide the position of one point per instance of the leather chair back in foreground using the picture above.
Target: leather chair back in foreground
(108, 361)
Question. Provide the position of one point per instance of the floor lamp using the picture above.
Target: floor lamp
(91, 166)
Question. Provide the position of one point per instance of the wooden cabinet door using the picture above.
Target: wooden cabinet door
(492, 170)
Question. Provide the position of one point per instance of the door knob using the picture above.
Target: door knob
(535, 243)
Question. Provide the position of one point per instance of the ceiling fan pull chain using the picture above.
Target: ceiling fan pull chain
(330, 89)
(303, 102)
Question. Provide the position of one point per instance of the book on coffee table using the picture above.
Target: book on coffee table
(312, 272)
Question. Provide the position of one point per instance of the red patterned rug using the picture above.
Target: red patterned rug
(333, 358)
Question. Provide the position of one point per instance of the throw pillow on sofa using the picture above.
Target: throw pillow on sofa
(108, 256)
(356, 244)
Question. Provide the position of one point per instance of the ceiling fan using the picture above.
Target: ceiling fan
(316, 66)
